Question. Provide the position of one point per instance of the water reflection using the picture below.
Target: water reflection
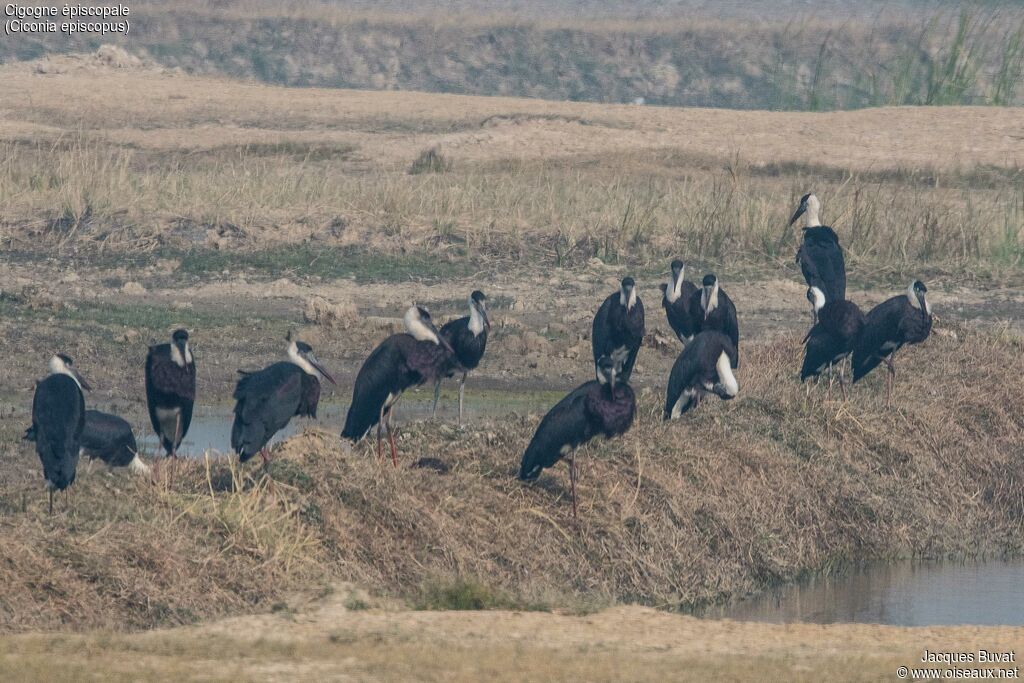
(901, 594)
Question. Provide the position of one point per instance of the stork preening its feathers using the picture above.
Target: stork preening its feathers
(713, 311)
(604, 406)
(58, 418)
(268, 399)
(836, 330)
(171, 390)
(468, 338)
(901, 320)
(820, 257)
(676, 296)
(401, 361)
(619, 327)
(110, 438)
(705, 366)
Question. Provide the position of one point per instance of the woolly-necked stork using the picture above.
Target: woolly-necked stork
(903, 319)
(605, 407)
(401, 361)
(704, 366)
(171, 390)
(108, 438)
(268, 399)
(820, 257)
(468, 338)
(619, 327)
(714, 311)
(837, 327)
(676, 295)
(58, 418)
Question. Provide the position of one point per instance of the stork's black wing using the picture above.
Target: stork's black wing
(565, 425)
(880, 335)
(266, 401)
(822, 263)
(730, 327)
(384, 373)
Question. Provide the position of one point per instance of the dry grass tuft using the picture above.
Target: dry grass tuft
(739, 495)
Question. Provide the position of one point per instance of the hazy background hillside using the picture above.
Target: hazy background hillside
(759, 54)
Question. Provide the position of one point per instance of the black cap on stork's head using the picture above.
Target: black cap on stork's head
(61, 364)
(181, 354)
(709, 295)
(916, 295)
(421, 327)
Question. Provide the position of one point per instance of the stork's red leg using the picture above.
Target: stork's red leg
(391, 440)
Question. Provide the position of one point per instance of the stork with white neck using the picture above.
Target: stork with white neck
(836, 330)
(675, 299)
(399, 362)
(618, 327)
(171, 390)
(468, 339)
(58, 418)
(267, 400)
(888, 327)
(820, 257)
(713, 310)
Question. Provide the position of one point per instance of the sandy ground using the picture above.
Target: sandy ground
(199, 112)
(344, 638)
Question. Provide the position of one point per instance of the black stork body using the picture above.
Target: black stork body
(676, 296)
(618, 328)
(399, 362)
(108, 438)
(714, 311)
(468, 338)
(704, 366)
(901, 320)
(268, 399)
(601, 407)
(820, 257)
(58, 418)
(171, 390)
(837, 328)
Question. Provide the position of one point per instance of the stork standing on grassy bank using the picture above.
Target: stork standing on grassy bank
(820, 257)
(676, 296)
(399, 362)
(714, 311)
(901, 320)
(58, 418)
(618, 328)
(108, 438)
(836, 330)
(704, 366)
(604, 406)
(171, 390)
(468, 338)
(268, 399)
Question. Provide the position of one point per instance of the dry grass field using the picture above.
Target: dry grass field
(133, 200)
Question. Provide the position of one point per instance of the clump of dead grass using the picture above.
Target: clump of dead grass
(430, 160)
(739, 495)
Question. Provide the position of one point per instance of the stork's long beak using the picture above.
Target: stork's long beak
(320, 368)
(487, 318)
(799, 212)
(81, 380)
(611, 380)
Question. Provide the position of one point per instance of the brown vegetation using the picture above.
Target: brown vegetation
(737, 496)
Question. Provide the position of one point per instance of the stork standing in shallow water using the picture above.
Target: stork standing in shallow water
(820, 257)
(836, 330)
(704, 366)
(619, 327)
(58, 418)
(901, 320)
(399, 362)
(676, 296)
(171, 390)
(268, 399)
(468, 338)
(604, 406)
(713, 310)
